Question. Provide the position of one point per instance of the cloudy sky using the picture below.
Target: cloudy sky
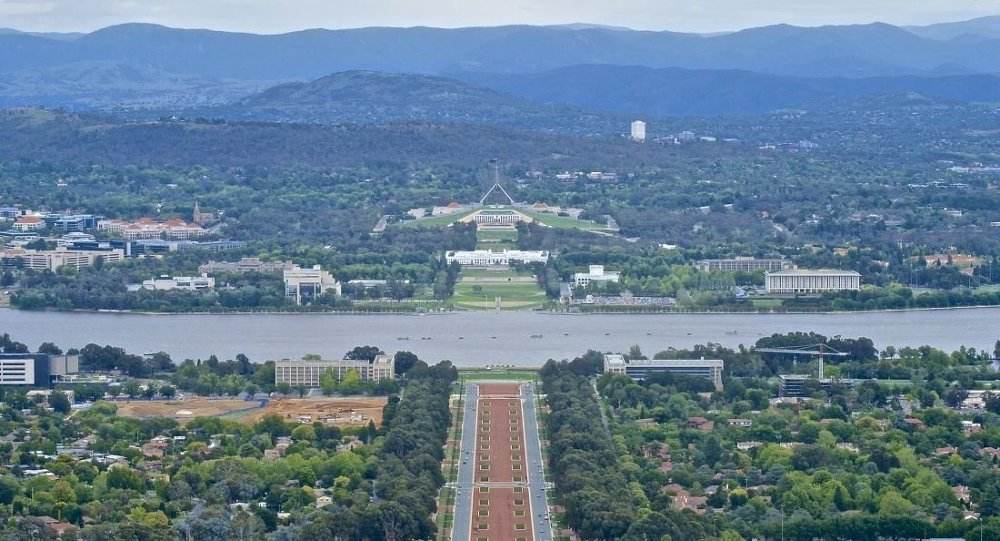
(274, 16)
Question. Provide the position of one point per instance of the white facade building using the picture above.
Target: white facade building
(308, 372)
(638, 133)
(490, 258)
(184, 283)
(17, 371)
(53, 260)
(640, 369)
(303, 284)
(789, 282)
(744, 264)
(596, 274)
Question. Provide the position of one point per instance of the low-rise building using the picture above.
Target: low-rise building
(305, 284)
(308, 372)
(147, 228)
(640, 369)
(183, 283)
(53, 260)
(595, 274)
(491, 258)
(788, 282)
(744, 264)
(246, 264)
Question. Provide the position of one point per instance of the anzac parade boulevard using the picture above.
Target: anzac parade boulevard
(501, 490)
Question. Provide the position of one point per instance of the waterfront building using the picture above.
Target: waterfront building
(304, 284)
(183, 283)
(811, 281)
(638, 131)
(490, 258)
(246, 264)
(53, 260)
(640, 369)
(308, 372)
(596, 273)
(744, 264)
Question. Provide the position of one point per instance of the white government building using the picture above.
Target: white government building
(811, 281)
(308, 283)
(490, 258)
(596, 274)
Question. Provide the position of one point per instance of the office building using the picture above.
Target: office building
(36, 369)
(308, 372)
(789, 282)
(640, 369)
(744, 264)
(147, 228)
(490, 258)
(246, 264)
(597, 274)
(305, 284)
(182, 283)
(53, 260)
(638, 132)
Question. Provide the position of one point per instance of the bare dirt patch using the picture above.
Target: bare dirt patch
(342, 411)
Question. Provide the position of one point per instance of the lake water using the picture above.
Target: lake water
(480, 338)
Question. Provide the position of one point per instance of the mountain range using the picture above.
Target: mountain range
(475, 74)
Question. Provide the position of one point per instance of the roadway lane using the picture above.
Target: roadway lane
(536, 471)
(462, 525)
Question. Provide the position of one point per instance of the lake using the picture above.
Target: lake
(480, 338)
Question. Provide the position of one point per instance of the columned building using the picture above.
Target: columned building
(789, 282)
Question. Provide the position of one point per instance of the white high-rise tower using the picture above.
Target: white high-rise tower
(639, 131)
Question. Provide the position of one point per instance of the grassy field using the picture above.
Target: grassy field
(496, 235)
(564, 222)
(766, 304)
(478, 289)
(436, 221)
(498, 374)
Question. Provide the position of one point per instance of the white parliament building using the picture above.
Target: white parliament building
(788, 282)
(491, 258)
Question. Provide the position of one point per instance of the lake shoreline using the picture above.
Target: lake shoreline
(411, 313)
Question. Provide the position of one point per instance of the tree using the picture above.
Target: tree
(351, 384)
(49, 348)
(168, 391)
(131, 388)
(328, 382)
(363, 353)
(403, 361)
(59, 402)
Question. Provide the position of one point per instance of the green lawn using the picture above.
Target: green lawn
(564, 222)
(478, 289)
(436, 221)
(494, 236)
(766, 304)
(500, 374)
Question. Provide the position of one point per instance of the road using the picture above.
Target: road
(462, 525)
(536, 471)
(501, 495)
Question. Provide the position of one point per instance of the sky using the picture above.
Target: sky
(276, 16)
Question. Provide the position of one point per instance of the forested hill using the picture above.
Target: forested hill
(657, 93)
(378, 97)
(49, 136)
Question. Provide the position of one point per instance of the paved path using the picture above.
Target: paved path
(462, 525)
(490, 482)
(536, 471)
